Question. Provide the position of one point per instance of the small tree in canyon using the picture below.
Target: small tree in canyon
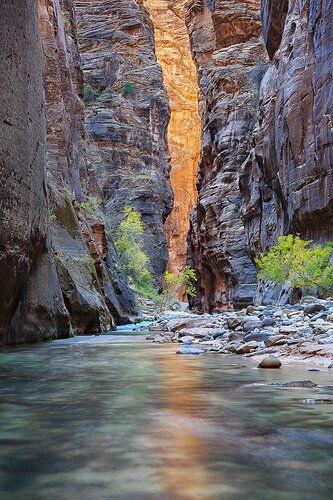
(129, 246)
(173, 284)
(299, 264)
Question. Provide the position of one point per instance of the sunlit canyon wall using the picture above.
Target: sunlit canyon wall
(184, 132)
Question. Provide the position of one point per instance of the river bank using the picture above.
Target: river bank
(300, 333)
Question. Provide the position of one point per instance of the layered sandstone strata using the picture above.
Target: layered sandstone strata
(287, 181)
(127, 114)
(31, 304)
(95, 294)
(184, 131)
(226, 45)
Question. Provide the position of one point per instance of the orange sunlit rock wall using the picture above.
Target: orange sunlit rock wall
(184, 135)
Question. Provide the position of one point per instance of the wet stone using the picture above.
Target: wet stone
(270, 361)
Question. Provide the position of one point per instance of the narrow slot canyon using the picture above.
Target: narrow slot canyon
(173, 53)
(166, 325)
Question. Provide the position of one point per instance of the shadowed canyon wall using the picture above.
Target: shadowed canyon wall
(127, 114)
(226, 45)
(287, 181)
(59, 272)
(184, 131)
(31, 304)
(95, 294)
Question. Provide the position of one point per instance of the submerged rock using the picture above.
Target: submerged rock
(300, 383)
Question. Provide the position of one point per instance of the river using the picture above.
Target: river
(116, 417)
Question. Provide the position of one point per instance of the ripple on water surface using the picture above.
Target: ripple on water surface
(115, 417)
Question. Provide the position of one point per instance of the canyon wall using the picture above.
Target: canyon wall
(31, 305)
(184, 131)
(287, 182)
(95, 293)
(127, 115)
(226, 44)
(59, 272)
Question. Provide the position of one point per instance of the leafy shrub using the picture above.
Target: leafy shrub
(91, 205)
(128, 89)
(53, 216)
(90, 94)
(295, 263)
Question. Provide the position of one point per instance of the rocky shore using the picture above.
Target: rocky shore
(270, 334)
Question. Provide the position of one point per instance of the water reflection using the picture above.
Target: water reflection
(117, 418)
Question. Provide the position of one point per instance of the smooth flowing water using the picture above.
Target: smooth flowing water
(116, 417)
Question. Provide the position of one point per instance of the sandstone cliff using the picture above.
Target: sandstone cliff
(227, 49)
(287, 181)
(127, 114)
(31, 304)
(95, 294)
(184, 131)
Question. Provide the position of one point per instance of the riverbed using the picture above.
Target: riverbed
(117, 417)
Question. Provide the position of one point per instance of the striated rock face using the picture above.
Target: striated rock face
(227, 49)
(127, 115)
(31, 305)
(184, 131)
(287, 180)
(94, 293)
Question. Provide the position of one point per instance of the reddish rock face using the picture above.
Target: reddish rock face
(127, 113)
(184, 131)
(225, 42)
(31, 305)
(288, 182)
(94, 293)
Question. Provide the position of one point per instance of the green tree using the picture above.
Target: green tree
(173, 284)
(129, 244)
(299, 264)
(90, 94)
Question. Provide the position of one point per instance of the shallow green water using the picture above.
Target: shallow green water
(119, 418)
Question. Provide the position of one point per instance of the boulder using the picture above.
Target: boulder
(268, 322)
(248, 347)
(189, 349)
(287, 329)
(249, 326)
(257, 337)
(309, 299)
(188, 339)
(274, 339)
(270, 361)
(198, 333)
(162, 339)
(181, 323)
(233, 323)
(313, 308)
